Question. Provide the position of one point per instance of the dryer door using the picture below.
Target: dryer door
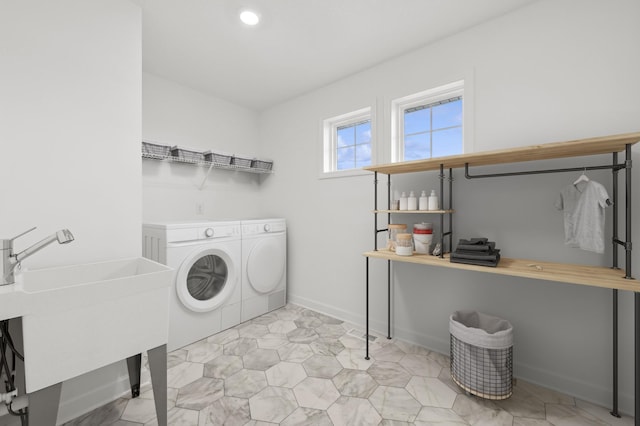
(266, 263)
(206, 279)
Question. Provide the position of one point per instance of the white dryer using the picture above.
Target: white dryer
(264, 266)
(206, 292)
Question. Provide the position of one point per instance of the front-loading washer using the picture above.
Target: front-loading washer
(264, 266)
(206, 257)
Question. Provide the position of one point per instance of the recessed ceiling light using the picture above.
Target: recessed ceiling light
(249, 17)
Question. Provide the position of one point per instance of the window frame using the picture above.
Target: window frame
(329, 164)
(426, 97)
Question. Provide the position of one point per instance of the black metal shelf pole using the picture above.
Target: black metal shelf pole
(388, 261)
(614, 261)
(441, 177)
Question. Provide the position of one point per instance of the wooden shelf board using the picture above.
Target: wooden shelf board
(414, 211)
(593, 276)
(576, 148)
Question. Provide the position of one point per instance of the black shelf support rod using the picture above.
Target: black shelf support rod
(540, 172)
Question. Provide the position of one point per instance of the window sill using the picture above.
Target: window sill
(343, 174)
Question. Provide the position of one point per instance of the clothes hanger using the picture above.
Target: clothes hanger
(583, 178)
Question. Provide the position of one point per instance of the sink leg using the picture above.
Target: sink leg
(158, 370)
(43, 406)
(134, 364)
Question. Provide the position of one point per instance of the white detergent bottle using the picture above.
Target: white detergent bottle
(412, 201)
(403, 201)
(433, 200)
(423, 203)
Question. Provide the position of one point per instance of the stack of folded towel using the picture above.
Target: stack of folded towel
(476, 251)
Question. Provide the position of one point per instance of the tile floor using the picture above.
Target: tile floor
(295, 366)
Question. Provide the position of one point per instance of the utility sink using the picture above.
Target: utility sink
(124, 271)
(79, 318)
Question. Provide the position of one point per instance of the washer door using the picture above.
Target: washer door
(205, 279)
(266, 263)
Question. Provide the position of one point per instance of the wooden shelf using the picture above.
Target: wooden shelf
(414, 211)
(593, 276)
(576, 148)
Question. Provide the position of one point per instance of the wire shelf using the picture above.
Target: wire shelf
(211, 159)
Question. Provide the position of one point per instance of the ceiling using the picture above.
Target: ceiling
(298, 46)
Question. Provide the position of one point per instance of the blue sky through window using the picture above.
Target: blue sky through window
(353, 145)
(433, 131)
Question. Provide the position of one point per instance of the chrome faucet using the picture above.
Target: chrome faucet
(10, 260)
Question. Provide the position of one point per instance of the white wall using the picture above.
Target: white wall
(70, 102)
(177, 115)
(553, 71)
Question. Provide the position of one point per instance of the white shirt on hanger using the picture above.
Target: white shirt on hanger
(583, 205)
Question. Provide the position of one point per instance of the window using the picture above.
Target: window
(347, 142)
(428, 124)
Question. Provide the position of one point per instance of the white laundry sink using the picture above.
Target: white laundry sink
(79, 318)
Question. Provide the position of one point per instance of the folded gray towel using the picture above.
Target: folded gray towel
(493, 255)
(474, 241)
(488, 246)
(492, 263)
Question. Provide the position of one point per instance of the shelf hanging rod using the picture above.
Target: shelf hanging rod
(539, 172)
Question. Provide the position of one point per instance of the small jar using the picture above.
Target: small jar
(422, 237)
(404, 246)
(394, 230)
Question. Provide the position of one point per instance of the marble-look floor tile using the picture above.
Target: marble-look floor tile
(253, 330)
(326, 346)
(355, 383)
(523, 404)
(388, 353)
(285, 374)
(272, 341)
(240, 346)
(429, 416)
(266, 319)
(224, 337)
(395, 403)
(352, 342)
(200, 393)
(330, 330)
(303, 416)
(272, 404)
(523, 421)
(567, 415)
(350, 411)
(545, 395)
(604, 414)
(203, 351)
(245, 383)
(106, 414)
(223, 366)
(316, 393)
(139, 411)
(322, 366)
(410, 348)
(260, 359)
(302, 335)
(307, 322)
(322, 317)
(126, 423)
(184, 373)
(431, 392)
(282, 326)
(389, 374)
(228, 411)
(420, 365)
(354, 359)
(176, 357)
(476, 411)
(179, 417)
(295, 352)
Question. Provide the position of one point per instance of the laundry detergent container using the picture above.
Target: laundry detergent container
(481, 354)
